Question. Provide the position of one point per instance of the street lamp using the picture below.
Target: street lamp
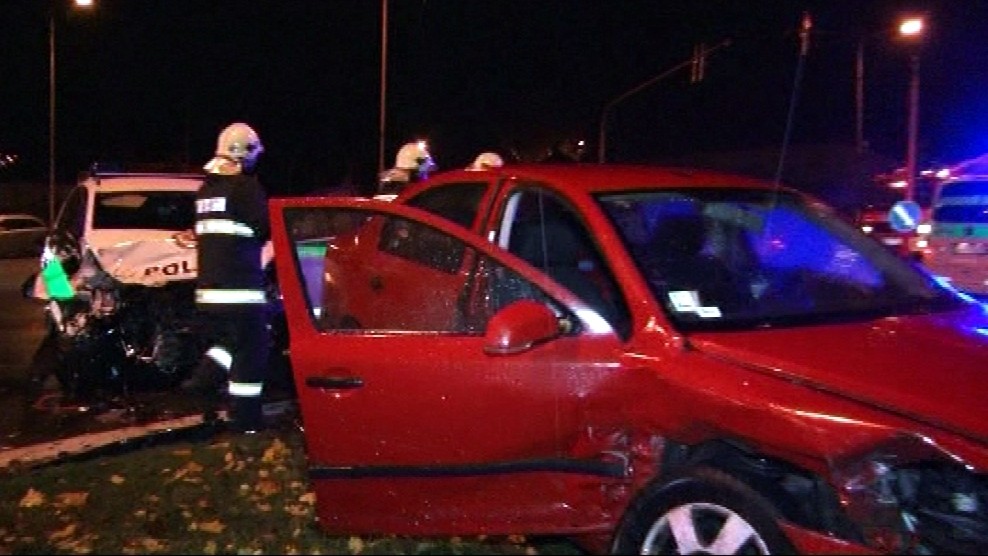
(51, 104)
(911, 29)
(384, 86)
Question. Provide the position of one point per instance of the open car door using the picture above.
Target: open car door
(445, 386)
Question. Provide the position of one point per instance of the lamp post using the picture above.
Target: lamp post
(911, 29)
(51, 104)
(384, 86)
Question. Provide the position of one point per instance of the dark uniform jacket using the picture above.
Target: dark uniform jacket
(231, 228)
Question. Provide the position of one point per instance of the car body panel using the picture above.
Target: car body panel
(139, 253)
(523, 456)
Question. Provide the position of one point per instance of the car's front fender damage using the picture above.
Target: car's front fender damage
(843, 477)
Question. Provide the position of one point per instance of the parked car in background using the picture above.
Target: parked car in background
(911, 244)
(958, 240)
(21, 235)
(648, 360)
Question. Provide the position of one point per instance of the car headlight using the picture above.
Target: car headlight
(910, 496)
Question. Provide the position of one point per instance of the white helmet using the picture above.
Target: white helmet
(238, 143)
(412, 155)
(486, 161)
(415, 158)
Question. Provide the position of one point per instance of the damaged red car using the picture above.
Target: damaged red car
(648, 360)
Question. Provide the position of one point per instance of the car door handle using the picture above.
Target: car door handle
(376, 283)
(334, 382)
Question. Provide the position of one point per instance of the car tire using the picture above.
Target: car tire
(700, 511)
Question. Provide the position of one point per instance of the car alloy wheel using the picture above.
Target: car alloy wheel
(701, 511)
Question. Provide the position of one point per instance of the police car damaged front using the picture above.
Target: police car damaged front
(120, 314)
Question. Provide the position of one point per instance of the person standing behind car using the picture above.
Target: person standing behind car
(232, 229)
(413, 163)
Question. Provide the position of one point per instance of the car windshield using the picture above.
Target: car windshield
(729, 258)
(145, 210)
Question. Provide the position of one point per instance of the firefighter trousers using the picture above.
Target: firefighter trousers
(238, 350)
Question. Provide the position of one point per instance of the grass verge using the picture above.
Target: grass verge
(232, 494)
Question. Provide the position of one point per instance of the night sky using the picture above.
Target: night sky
(155, 80)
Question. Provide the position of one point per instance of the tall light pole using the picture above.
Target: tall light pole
(384, 85)
(51, 103)
(911, 28)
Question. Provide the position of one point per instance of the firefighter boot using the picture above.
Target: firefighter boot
(246, 414)
(208, 378)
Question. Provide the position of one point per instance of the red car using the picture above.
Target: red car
(648, 360)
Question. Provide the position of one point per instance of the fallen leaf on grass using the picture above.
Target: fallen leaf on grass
(32, 498)
(190, 468)
(214, 526)
(182, 452)
(308, 498)
(275, 452)
(356, 545)
(117, 479)
(71, 499)
(63, 533)
(296, 510)
(267, 488)
(152, 545)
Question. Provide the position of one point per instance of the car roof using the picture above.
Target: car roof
(601, 178)
(118, 182)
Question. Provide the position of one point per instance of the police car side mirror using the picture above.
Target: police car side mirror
(904, 216)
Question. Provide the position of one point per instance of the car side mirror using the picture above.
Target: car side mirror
(519, 327)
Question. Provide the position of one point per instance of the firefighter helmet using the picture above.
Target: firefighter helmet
(411, 156)
(486, 161)
(239, 143)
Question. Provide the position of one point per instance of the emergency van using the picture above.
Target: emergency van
(958, 239)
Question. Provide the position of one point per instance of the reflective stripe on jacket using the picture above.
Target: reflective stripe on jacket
(231, 229)
(230, 297)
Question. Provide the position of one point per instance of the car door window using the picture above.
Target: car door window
(411, 280)
(422, 245)
(545, 231)
(458, 202)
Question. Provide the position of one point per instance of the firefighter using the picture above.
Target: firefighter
(413, 163)
(232, 229)
(486, 161)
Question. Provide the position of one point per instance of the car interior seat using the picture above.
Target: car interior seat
(678, 261)
(563, 252)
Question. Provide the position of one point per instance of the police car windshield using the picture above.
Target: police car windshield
(145, 210)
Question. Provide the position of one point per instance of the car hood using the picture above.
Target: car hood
(145, 257)
(929, 368)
